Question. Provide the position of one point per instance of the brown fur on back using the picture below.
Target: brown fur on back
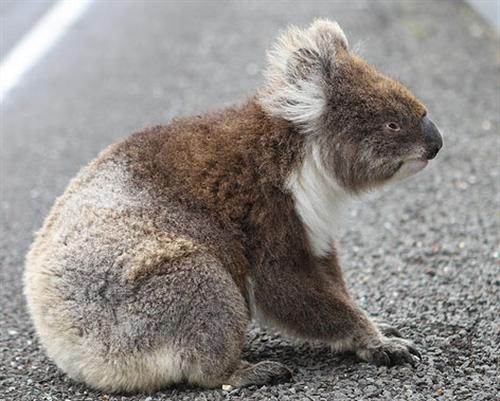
(232, 165)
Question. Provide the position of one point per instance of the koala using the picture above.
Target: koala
(151, 265)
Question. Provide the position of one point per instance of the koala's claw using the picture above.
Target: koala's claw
(391, 351)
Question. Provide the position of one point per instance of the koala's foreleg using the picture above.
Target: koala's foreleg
(315, 305)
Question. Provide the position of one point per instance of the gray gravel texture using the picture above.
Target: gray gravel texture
(423, 254)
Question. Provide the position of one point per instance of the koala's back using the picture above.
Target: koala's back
(116, 273)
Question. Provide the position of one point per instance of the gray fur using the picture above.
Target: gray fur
(114, 327)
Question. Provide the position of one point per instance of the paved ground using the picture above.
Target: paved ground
(423, 255)
(17, 17)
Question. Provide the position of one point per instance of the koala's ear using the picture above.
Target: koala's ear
(304, 52)
(299, 64)
(328, 35)
(302, 63)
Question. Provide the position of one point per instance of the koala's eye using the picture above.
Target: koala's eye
(392, 126)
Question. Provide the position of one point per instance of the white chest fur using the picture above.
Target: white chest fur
(319, 201)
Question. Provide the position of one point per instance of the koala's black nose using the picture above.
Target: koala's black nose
(433, 138)
(432, 152)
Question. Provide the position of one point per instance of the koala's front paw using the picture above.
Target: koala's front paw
(390, 351)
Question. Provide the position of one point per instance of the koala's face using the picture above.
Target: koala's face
(374, 129)
(369, 128)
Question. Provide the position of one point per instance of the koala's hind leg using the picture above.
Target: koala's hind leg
(202, 312)
(245, 374)
(266, 372)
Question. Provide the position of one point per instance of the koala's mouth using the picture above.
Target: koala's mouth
(409, 167)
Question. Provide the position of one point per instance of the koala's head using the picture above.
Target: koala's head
(368, 128)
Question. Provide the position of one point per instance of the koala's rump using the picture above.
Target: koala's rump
(112, 277)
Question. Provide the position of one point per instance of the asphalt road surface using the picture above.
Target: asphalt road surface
(423, 254)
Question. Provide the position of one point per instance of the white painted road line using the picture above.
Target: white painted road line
(38, 41)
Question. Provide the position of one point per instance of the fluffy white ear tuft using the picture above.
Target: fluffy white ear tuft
(326, 33)
(297, 73)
